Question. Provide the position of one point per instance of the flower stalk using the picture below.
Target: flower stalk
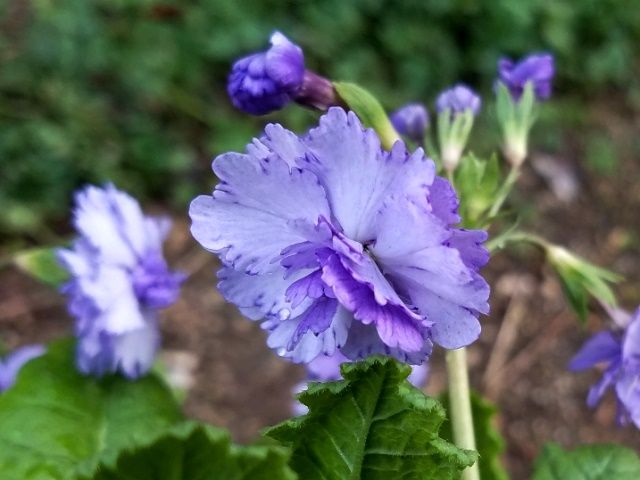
(460, 407)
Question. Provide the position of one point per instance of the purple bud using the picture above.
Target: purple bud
(536, 68)
(411, 120)
(11, 365)
(264, 82)
(458, 99)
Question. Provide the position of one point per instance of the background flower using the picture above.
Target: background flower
(537, 68)
(12, 363)
(120, 279)
(620, 354)
(338, 244)
(411, 120)
(458, 99)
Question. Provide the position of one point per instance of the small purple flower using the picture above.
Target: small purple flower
(327, 369)
(536, 68)
(620, 354)
(458, 99)
(411, 120)
(12, 363)
(119, 281)
(337, 244)
(263, 82)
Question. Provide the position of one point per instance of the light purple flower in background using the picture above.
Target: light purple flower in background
(458, 99)
(327, 369)
(12, 363)
(411, 120)
(537, 68)
(619, 352)
(336, 244)
(263, 82)
(119, 281)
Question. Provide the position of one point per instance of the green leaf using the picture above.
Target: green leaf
(198, 452)
(477, 182)
(55, 422)
(371, 425)
(489, 442)
(41, 263)
(368, 108)
(589, 462)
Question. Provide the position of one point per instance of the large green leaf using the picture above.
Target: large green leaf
(198, 452)
(489, 442)
(371, 425)
(55, 422)
(589, 462)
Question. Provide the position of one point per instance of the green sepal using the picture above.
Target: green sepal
(41, 264)
(373, 425)
(369, 110)
(588, 462)
(580, 278)
(477, 182)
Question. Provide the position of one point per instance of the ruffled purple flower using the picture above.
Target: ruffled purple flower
(619, 352)
(12, 363)
(327, 369)
(411, 120)
(263, 82)
(336, 244)
(120, 280)
(459, 99)
(536, 68)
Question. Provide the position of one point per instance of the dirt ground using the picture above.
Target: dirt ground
(519, 361)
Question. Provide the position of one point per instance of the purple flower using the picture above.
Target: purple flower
(620, 354)
(119, 281)
(536, 68)
(327, 369)
(263, 82)
(458, 99)
(411, 120)
(12, 363)
(339, 245)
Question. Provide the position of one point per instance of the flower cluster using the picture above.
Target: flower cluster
(12, 363)
(620, 353)
(327, 369)
(337, 244)
(119, 280)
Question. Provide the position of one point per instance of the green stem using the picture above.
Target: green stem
(460, 404)
(504, 191)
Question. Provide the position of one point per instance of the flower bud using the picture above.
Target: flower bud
(456, 108)
(264, 82)
(267, 81)
(411, 120)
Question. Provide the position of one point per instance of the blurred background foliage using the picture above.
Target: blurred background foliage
(133, 91)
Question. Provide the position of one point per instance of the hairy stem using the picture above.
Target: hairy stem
(460, 407)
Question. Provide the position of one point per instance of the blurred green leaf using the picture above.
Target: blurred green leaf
(489, 441)
(55, 422)
(477, 182)
(198, 452)
(371, 425)
(588, 462)
(41, 264)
